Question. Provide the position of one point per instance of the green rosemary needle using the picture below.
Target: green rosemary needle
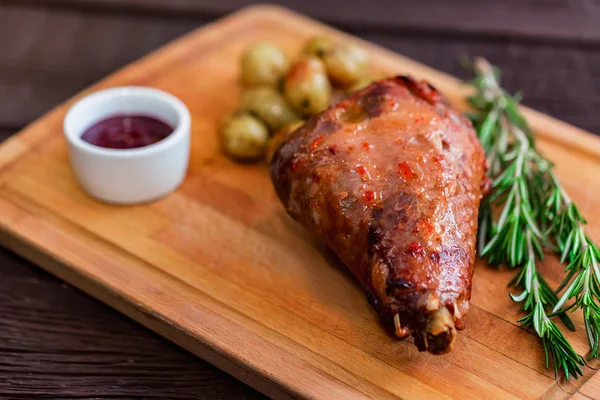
(583, 270)
(513, 217)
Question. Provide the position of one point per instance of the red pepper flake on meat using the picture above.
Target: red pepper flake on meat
(415, 249)
(368, 196)
(419, 120)
(316, 142)
(364, 174)
(423, 225)
(333, 148)
(438, 158)
(366, 146)
(405, 171)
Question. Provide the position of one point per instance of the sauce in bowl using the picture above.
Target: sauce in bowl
(127, 132)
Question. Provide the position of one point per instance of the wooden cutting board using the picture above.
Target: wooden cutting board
(220, 269)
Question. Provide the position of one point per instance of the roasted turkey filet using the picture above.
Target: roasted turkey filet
(391, 179)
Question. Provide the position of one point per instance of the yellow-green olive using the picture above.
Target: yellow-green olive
(278, 138)
(346, 63)
(244, 137)
(263, 64)
(317, 46)
(306, 86)
(292, 126)
(268, 105)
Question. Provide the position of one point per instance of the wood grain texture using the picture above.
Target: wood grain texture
(250, 291)
(574, 21)
(579, 396)
(592, 388)
(65, 345)
(56, 54)
(61, 51)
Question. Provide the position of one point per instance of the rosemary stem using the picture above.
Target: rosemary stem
(583, 238)
(565, 197)
(536, 291)
(484, 68)
(530, 252)
(526, 211)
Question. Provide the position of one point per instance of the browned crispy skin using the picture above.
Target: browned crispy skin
(390, 179)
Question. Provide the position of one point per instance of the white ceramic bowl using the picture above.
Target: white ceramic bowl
(129, 176)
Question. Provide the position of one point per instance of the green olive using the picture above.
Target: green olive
(306, 86)
(278, 138)
(268, 105)
(293, 126)
(317, 46)
(346, 63)
(263, 64)
(244, 137)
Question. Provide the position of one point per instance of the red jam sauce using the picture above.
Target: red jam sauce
(127, 132)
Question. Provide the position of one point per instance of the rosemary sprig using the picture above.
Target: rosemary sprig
(513, 218)
(535, 296)
(583, 270)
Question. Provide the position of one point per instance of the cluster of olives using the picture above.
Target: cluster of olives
(277, 96)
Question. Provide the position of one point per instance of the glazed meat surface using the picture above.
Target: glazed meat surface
(391, 179)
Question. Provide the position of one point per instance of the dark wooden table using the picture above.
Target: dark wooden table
(56, 342)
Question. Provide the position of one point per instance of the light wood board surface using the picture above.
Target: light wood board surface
(220, 269)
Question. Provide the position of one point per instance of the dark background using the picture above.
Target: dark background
(56, 342)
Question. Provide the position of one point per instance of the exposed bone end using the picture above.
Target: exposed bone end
(401, 331)
(439, 335)
(457, 313)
